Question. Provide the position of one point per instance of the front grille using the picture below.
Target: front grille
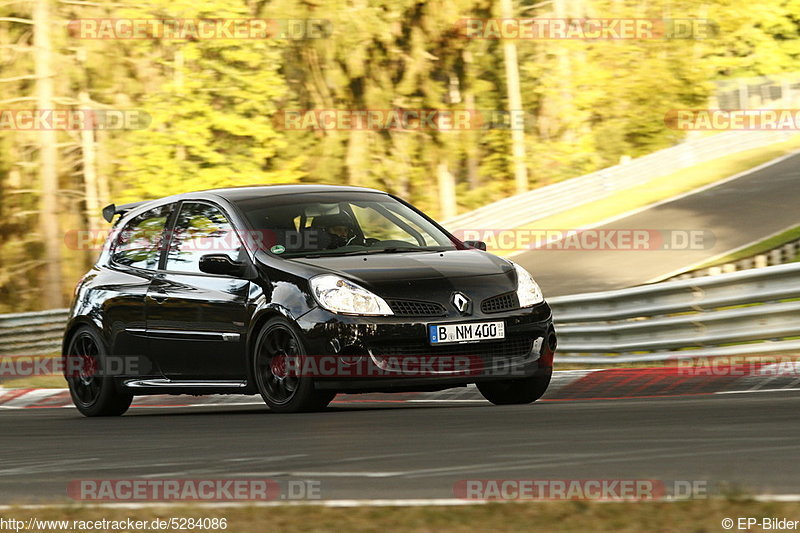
(415, 308)
(500, 303)
(511, 347)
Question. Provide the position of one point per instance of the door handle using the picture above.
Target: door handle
(159, 297)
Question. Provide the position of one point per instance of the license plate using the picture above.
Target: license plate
(470, 332)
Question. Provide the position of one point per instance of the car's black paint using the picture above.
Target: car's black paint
(200, 327)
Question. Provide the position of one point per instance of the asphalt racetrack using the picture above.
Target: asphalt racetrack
(400, 449)
(737, 212)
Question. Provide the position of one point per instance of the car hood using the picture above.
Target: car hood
(396, 273)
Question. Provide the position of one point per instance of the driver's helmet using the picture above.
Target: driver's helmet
(340, 228)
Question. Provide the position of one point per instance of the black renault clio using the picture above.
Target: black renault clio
(297, 293)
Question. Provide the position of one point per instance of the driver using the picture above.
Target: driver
(340, 229)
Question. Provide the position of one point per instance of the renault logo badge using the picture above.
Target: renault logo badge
(462, 303)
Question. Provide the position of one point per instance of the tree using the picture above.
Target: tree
(212, 112)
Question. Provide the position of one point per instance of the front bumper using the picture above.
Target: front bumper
(392, 354)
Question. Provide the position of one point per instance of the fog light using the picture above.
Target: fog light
(546, 359)
(552, 340)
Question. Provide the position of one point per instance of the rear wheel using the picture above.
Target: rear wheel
(93, 393)
(515, 391)
(282, 391)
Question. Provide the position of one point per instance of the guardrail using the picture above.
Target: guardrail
(32, 333)
(528, 207)
(747, 312)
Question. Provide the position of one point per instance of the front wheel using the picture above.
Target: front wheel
(283, 391)
(93, 393)
(515, 391)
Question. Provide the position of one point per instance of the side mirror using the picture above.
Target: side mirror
(480, 245)
(220, 264)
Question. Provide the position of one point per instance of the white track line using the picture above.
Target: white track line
(755, 390)
(411, 502)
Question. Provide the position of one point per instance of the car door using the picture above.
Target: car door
(196, 321)
(133, 258)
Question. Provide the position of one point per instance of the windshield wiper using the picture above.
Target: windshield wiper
(391, 250)
(368, 251)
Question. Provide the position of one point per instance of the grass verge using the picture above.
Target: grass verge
(792, 234)
(696, 515)
(7, 367)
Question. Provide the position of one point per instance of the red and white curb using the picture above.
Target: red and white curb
(601, 384)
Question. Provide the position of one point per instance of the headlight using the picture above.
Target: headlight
(341, 296)
(528, 290)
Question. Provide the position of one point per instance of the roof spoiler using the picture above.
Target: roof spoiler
(111, 210)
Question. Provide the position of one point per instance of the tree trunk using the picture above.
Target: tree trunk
(48, 216)
(356, 158)
(471, 145)
(89, 169)
(514, 103)
(472, 137)
(103, 168)
(447, 192)
(563, 10)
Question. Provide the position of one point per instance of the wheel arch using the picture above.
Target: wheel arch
(76, 323)
(260, 318)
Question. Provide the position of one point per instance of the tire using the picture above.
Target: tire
(283, 393)
(92, 394)
(515, 391)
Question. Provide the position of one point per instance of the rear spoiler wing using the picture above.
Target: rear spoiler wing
(111, 210)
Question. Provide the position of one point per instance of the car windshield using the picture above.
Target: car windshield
(327, 224)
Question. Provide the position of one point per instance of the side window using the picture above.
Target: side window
(201, 229)
(139, 243)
